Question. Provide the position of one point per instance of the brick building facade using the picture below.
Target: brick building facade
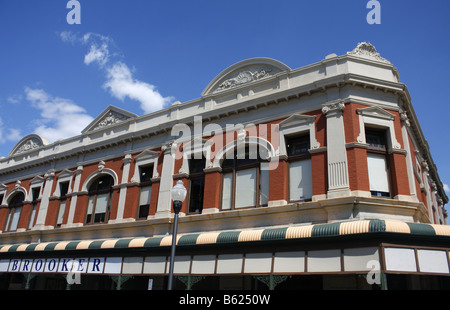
(296, 178)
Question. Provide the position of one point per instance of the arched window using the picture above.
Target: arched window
(99, 201)
(244, 183)
(15, 208)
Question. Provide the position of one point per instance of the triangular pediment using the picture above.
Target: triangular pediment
(376, 112)
(147, 154)
(37, 180)
(297, 119)
(65, 173)
(109, 117)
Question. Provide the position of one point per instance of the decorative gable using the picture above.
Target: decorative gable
(376, 112)
(109, 117)
(27, 144)
(296, 120)
(244, 72)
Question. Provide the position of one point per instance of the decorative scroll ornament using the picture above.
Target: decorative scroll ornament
(29, 145)
(367, 50)
(110, 119)
(245, 76)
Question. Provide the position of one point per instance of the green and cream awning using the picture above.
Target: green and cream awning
(66, 257)
(251, 235)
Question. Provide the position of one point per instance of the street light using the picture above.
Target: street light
(178, 195)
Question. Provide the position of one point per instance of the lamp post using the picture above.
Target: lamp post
(178, 195)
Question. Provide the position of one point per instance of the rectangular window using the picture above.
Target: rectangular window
(145, 191)
(300, 169)
(377, 163)
(300, 180)
(100, 208)
(62, 207)
(63, 190)
(264, 187)
(35, 196)
(378, 175)
(90, 209)
(15, 218)
(245, 188)
(196, 195)
(227, 191)
(197, 184)
(144, 201)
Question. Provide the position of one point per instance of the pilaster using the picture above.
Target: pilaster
(338, 184)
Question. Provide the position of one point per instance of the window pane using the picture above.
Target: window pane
(63, 188)
(245, 188)
(378, 173)
(227, 188)
(144, 197)
(62, 207)
(196, 195)
(196, 165)
(33, 214)
(100, 208)
(90, 208)
(146, 173)
(297, 145)
(15, 218)
(90, 204)
(102, 203)
(264, 186)
(300, 180)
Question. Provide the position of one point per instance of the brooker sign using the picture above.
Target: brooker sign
(59, 265)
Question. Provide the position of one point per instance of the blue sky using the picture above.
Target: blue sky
(141, 55)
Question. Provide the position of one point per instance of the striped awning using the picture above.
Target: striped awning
(230, 237)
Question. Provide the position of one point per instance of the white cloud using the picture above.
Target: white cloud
(121, 84)
(8, 134)
(68, 36)
(60, 118)
(446, 188)
(99, 54)
(119, 78)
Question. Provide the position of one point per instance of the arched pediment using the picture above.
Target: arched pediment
(244, 72)
(28, 144)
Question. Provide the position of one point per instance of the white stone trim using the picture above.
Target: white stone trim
(297, 124)
(145, 158)
(93, 176)
(378, 117)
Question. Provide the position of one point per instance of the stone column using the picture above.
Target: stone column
(166, 182)
(73, 202)
(42, 214)
(338, 184)
(123, 188)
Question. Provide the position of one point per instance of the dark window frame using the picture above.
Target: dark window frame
(63, 190)
(196, 175)
(235, 164)
(145, 179)
(297, 154)
(12, 206)
(35, 192)
(90, 219)
(376, 140)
